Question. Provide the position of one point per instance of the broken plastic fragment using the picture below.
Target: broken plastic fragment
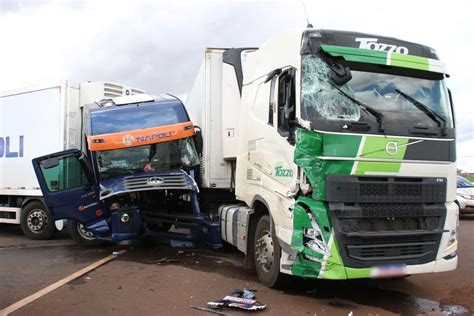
(207, 310)
(242, 299)
(249, 307)
(216, 304)
(181, 244)
(248, 294)
(315, 236)
(238, 300)
(245, 293)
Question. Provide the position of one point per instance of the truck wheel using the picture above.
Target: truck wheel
(37, 221)
(81, 235)
(267, 256)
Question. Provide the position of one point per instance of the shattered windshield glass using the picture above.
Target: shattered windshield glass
(378, 90)
(319, 98)
(179, 153)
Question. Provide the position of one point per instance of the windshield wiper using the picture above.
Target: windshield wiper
(425, 109)
(368, 109)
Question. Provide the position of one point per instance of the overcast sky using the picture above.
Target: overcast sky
(158, 45)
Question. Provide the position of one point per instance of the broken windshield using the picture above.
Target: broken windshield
(321, 101)
(319, 98)
(179, 153)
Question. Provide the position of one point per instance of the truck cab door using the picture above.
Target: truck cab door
(69, 186)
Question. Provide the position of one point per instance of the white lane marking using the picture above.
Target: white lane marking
(27, 300)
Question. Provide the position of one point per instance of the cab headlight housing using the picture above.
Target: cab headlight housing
(453, 237)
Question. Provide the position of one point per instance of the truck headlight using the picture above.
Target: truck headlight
(453, 237)
(467, 196)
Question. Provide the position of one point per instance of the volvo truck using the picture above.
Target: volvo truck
(34, 121)
(340, 149)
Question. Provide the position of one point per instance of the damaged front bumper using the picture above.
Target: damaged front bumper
(315, 250)
(128, 224)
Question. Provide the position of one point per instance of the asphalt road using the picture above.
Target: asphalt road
(158, 280)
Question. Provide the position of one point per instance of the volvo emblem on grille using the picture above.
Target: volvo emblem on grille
(155, 181)
(391, 148)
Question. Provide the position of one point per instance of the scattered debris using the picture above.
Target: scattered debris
(209, 310)
(162, 260)
(245, 293)
(181, 244)
(240, 298)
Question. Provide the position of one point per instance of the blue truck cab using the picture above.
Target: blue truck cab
(136, 175)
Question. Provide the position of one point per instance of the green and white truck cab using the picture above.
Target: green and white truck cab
(342, 153)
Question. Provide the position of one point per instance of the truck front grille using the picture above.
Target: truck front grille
(172, 182)
(403, 251)
(370, 234)
(386, 219)
(342, 188)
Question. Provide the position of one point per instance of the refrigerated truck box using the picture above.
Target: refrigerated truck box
(35, 121)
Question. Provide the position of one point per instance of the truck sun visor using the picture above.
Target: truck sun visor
(140, 137)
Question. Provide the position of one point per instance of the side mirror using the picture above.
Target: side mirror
(50, 163)
(199, 140)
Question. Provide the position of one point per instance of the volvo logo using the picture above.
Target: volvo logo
(391, 148)
(155, 181)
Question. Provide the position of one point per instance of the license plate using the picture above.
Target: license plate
(388, 271)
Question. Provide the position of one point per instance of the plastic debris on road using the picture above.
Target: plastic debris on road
(240, 298)
(181, 244)
(245, 293)
(209, 310)
(163, 260)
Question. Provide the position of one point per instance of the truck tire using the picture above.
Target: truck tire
(81, 235)
(36, 221)
(267, 254)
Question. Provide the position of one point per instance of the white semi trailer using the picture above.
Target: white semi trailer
(340, 150)
(34, 121)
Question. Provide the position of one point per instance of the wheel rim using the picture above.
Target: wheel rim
(37, 220)
(264, 251)
(84, 232)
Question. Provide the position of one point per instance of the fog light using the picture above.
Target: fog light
(125, 218)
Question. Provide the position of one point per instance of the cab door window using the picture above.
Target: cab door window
(67, 174)
(272, 104)
(286, 101)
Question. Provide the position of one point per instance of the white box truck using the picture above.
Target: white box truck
(34, 121)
